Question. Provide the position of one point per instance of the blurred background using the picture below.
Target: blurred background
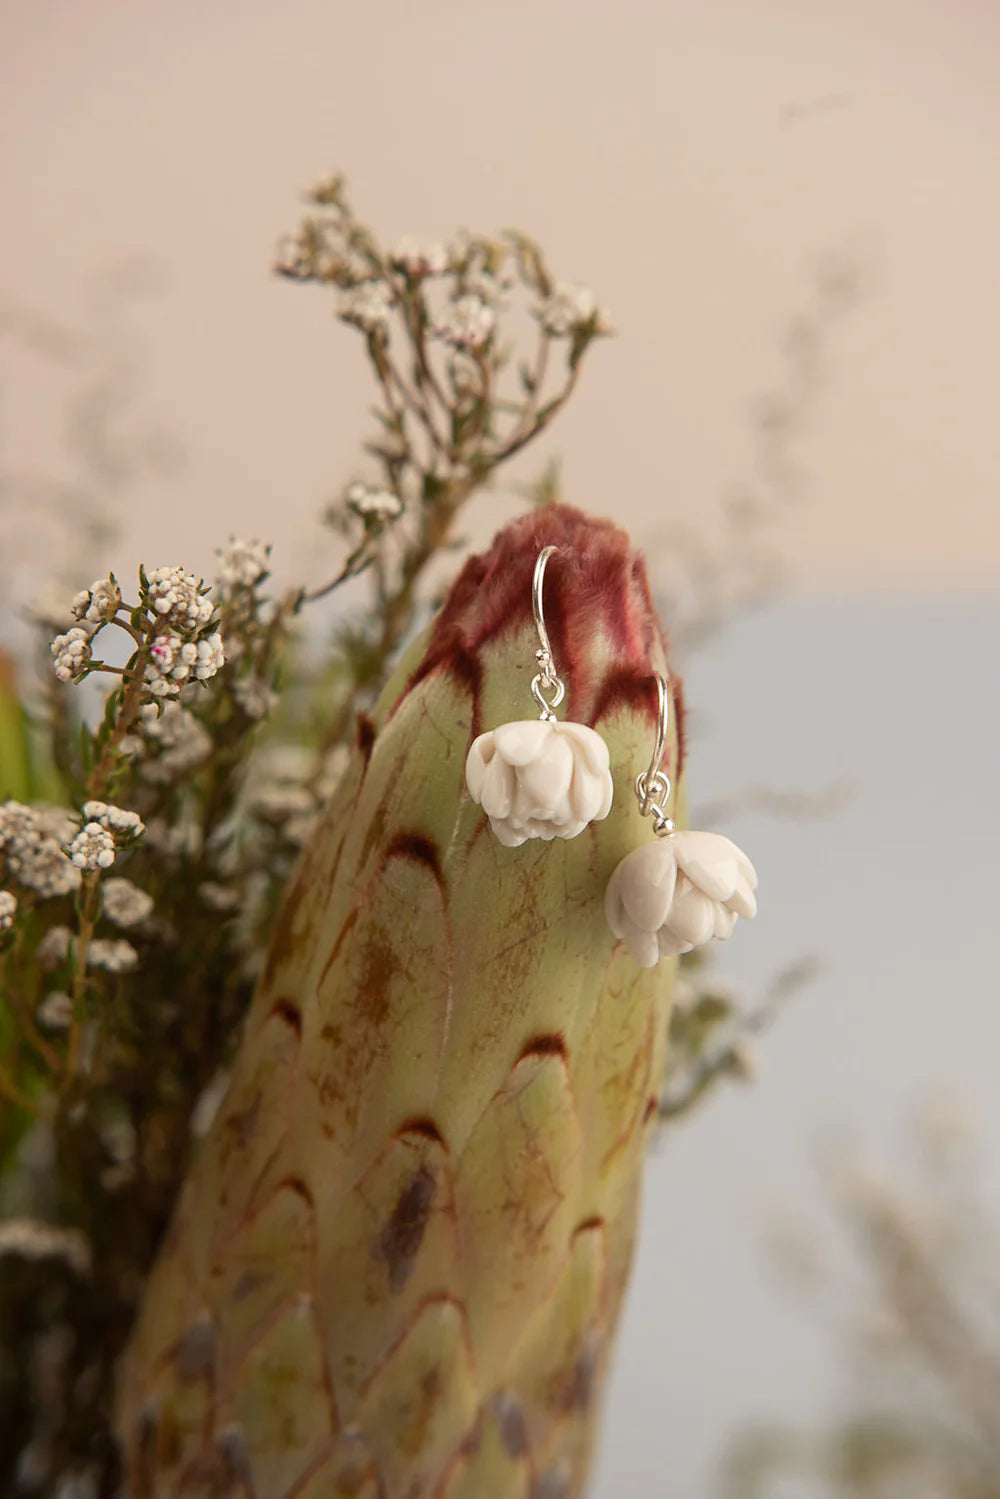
(789, 212)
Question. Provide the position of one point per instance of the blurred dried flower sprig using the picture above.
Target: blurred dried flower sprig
(914, 1301)
(143, 852)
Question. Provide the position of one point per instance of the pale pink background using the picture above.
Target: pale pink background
(689, 160)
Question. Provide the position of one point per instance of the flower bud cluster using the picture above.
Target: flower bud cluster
(93, 848)
(367, 306)
(71, 653)
(124, 903)
(175, 662)
(31, 842)
(175, 595)
(98, 603)
(242, 564)
(466, 323)
(373, 504)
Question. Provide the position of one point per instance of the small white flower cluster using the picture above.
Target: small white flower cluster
(174, 595)
(567, 310)
(31, 1239)
(241, 565)
(54, 947)
(113, 955)
(367, 306)
(373, 504)
(183, 742)
(176, 662)
(466, 323)
(56, 1010)
(116, 820)
(8, 910)
(31, 840)
(124, 903)
(92, 848)
(71, 653)
(418, 257)
(98, 603)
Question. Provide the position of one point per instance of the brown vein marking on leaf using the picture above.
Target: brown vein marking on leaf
(248, 1282)
(425, 1128)
(511, 1424)
(365, 736)
(403, 1232)
(651, 1109)
(626, 1080)
(258, 1209)
(419, 849)
(244, 1124)
(551, 1044)
(216, 1474)
(286, 1010)
(435, 1299)
(350, 921)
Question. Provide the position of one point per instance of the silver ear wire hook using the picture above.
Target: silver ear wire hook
(652, 787)
(547, 679)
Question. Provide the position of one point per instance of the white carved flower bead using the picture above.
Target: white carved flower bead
(676, 893)
(540, 779)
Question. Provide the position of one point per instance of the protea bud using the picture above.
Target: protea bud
(397, 1265)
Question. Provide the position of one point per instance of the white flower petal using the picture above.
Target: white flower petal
(592, 747)
(480, 754)
(692, 914)
(543, 783)
(725, 920)
(646, 878)
(522, 741)
(642, 944)
(498, 789)
(710, 861)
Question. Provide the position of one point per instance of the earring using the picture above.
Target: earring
(539, 778)
(673, 895)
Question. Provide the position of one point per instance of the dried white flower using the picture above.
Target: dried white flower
(540, 779)
(31, 840)
(373, 504)
(254, 697)
(98, 603)
(115, 819)
(71, 653)
(54, 947)
(174, 595)
(56, 1011)
(418, 257)
(124, 903)
(367, 306)
(241, 565)
(567, 310)
(466, 323)
(8, 910)
(675, 893)
(92, 848)
(114, 956)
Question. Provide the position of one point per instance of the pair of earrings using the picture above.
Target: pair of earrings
(542, 778)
